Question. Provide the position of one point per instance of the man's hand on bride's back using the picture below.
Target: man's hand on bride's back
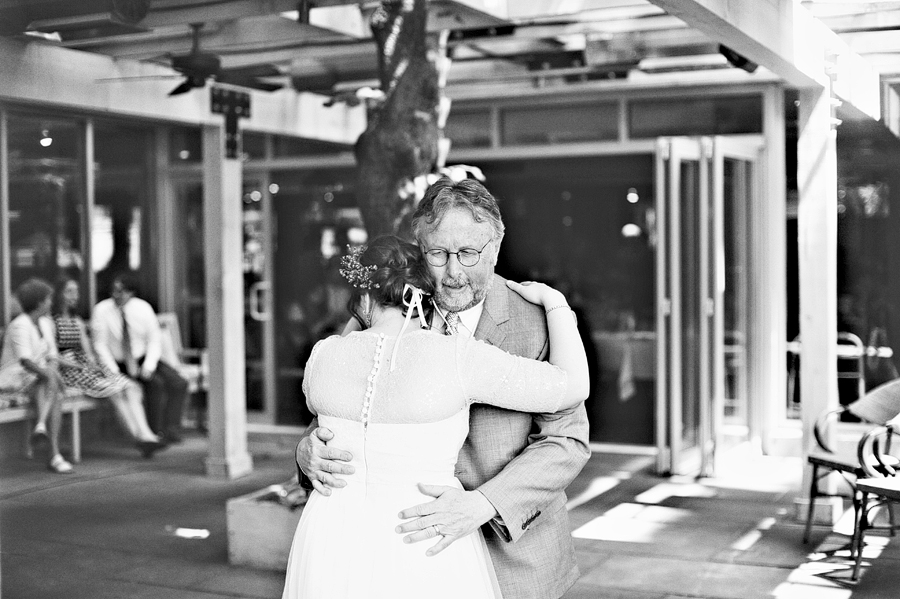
(322, 463)
(538, 293)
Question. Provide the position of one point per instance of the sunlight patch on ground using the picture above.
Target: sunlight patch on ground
(767, 474)
(788, 590)
(598, 486)
(749, 540)
(648, 513)
(605, 528)
(188, 533)
(663, 491)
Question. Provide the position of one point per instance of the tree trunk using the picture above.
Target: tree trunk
(401, 139)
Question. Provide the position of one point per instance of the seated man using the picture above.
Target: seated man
(127, 339)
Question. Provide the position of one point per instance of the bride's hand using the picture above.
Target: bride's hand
(538, 293)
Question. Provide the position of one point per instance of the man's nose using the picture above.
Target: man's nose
(454, 268)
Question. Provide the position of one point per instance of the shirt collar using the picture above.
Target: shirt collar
(468, 319)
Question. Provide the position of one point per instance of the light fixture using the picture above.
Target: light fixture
(632, 196)
(46, 140)
(631, 230)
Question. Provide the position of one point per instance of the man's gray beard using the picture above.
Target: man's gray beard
(439, 299)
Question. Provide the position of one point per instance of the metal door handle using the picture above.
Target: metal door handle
(256, 293)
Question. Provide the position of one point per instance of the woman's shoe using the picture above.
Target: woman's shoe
(148, 448)
(59, 465)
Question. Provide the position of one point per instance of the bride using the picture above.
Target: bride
(399, 397)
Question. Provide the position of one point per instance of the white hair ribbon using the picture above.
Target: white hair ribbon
(413, 304)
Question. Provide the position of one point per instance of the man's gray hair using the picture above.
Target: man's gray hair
(446, 194)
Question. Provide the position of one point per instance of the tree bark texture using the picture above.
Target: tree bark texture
(401, 139)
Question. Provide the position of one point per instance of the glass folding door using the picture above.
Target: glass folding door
(703, 188)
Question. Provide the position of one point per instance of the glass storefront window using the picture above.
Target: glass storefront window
(288, 147)
(586, 226)
(253, 145)
(185, 146)
(46, 198)
(723, 115)
(469, 128)
(119, 220)
(315, 217)
(560, 124)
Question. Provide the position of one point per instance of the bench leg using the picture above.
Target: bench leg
(27, 436)
(76, 435)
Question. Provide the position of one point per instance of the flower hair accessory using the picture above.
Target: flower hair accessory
(356, 274)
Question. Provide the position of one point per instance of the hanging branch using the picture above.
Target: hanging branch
(400, 142)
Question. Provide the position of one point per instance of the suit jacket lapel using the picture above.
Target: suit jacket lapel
(492, 324)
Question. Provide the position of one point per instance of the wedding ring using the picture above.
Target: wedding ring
(437, 532)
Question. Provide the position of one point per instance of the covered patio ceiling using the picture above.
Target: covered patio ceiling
(325, 46)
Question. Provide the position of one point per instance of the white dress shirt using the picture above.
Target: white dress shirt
(468, 319)
(143, 331)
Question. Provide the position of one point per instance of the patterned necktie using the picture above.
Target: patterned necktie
(130, 362)
(452, 320)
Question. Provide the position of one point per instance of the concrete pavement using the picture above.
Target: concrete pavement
(109, 531)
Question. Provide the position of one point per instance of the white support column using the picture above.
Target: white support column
(768, 289)
(5, 290)
(228, 455)
(90, 198)
(817, 252)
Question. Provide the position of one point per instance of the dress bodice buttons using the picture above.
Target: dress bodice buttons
(371, 380)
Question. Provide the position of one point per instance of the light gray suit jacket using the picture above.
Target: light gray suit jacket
(523, 462)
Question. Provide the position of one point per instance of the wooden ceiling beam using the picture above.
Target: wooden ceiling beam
(785, 38)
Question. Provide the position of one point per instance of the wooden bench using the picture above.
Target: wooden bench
(17, 407)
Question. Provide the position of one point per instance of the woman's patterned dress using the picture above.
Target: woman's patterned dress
(90, 377)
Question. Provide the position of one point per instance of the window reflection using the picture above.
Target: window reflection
(46, 198)
(122, 184)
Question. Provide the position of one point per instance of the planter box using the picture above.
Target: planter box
(260, 532)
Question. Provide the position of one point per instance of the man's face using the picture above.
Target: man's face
(459, 287)
(119, 294)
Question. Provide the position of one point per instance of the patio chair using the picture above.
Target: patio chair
(876, 407)
(879, 484)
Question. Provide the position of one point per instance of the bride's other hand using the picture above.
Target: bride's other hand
(321, 463)
(540, 294)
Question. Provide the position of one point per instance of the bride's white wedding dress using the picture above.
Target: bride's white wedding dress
(404, 426)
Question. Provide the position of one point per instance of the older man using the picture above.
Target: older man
(514, 466)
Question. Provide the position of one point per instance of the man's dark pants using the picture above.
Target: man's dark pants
(165, 394)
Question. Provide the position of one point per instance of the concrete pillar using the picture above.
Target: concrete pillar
(223, 242)
(817, 251)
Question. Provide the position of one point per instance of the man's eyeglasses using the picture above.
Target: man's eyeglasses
(465, 256)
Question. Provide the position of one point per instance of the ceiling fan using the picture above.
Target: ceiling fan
(198, 66)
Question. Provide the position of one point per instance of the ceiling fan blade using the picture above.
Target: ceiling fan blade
(257, 70)
(138, 78)
(184, 87)
(250, 82)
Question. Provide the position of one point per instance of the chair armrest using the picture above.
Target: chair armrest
(875, 462)
(821, 423)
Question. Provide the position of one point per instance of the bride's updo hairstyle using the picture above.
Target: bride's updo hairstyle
(382, 270)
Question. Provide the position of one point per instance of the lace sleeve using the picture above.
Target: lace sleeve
(308, 372)
(493, 376)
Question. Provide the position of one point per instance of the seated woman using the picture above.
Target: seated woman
(80, 369)
(28, 365)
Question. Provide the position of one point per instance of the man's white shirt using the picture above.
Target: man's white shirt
(143, 331)
(468, 319)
